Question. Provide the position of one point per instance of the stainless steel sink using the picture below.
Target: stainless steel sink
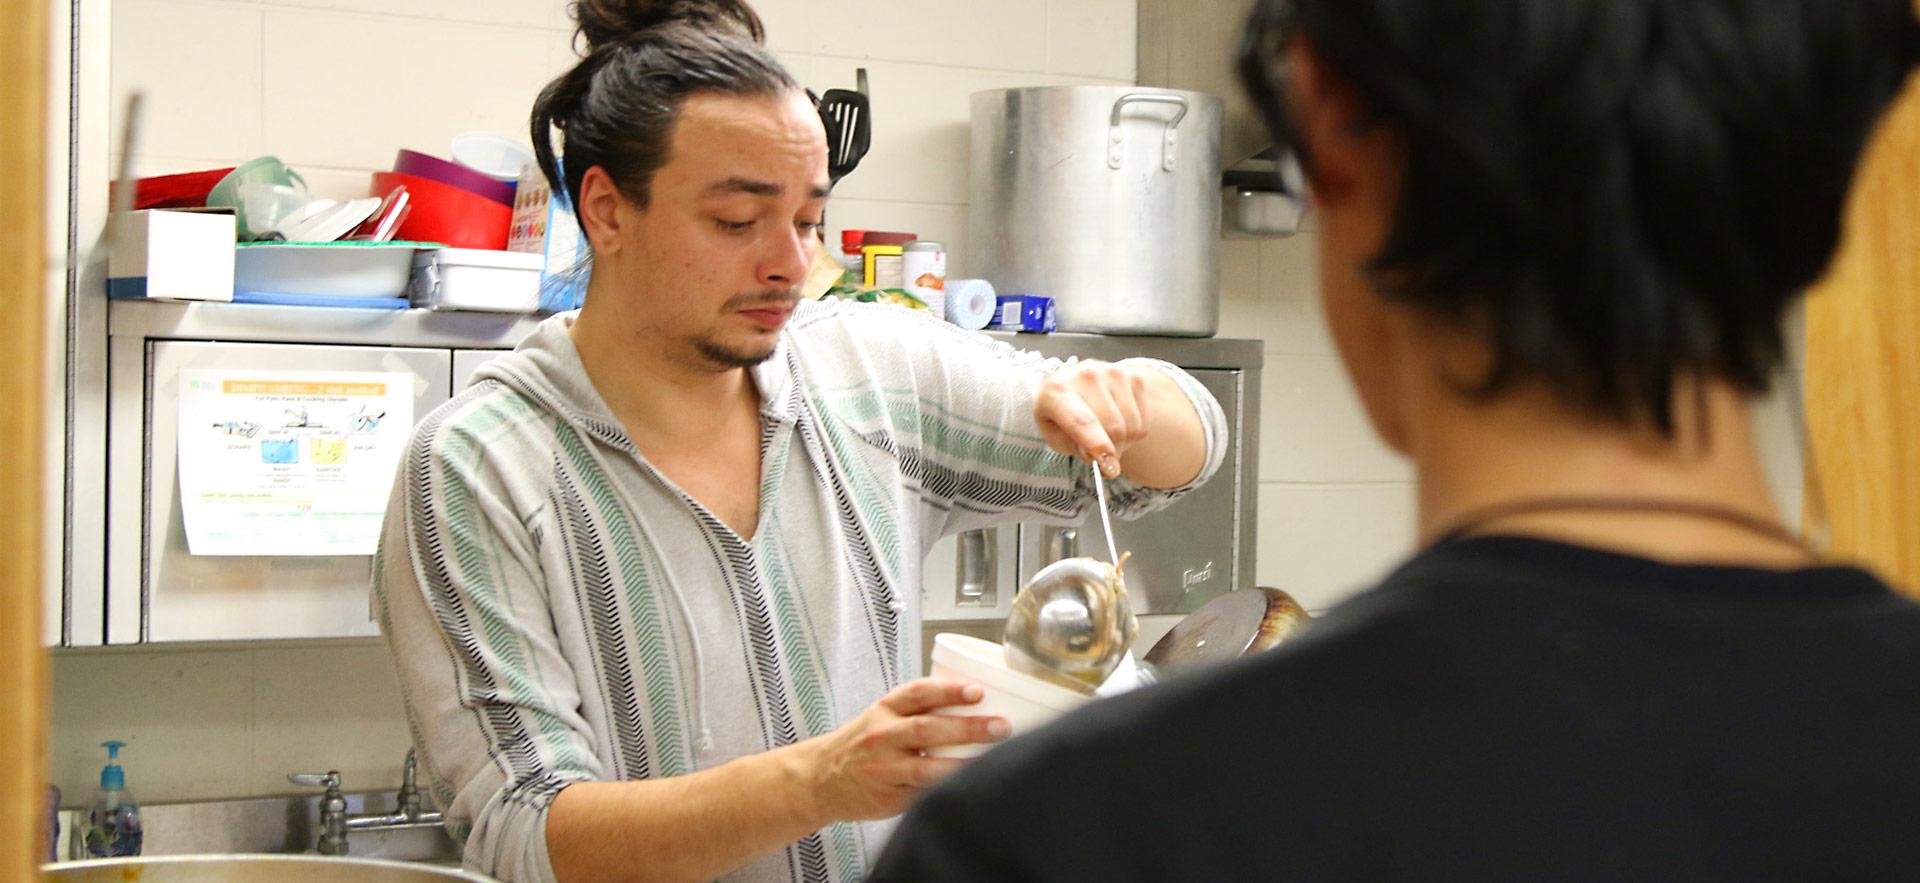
(250, 868)
(281, 826)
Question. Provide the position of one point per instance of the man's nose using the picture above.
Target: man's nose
(788, 259)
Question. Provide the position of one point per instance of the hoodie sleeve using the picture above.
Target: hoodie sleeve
(958, 408)
(489, 697)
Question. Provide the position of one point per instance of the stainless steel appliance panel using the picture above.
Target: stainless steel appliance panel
(206, 598)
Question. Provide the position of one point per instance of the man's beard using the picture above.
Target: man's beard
(734, 357)
(749, 355)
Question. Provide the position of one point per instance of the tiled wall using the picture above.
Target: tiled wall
(1336, 505)
(334, 87)
(206, 722)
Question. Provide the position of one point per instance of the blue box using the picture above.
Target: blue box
(544, 224)
(1023, 312)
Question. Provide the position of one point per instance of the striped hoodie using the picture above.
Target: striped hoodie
(560, 611)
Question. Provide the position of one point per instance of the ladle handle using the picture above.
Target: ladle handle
(1106, 521)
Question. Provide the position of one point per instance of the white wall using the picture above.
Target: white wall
(1336, 505)
(334, 87)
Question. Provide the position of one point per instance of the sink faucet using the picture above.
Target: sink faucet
(335, 821)
(333, 811)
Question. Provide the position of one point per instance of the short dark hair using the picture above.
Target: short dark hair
(1619, 192)
(644, 58)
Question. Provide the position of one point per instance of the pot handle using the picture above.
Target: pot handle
(1116, 141)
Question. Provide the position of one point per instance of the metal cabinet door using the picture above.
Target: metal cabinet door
(970, 576)
(184, 597)
(465, 362)
(1184, 555)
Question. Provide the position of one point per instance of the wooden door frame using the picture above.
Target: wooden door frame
(23, 661)
(1862, 371)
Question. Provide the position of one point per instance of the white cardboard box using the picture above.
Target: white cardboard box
(177, 255)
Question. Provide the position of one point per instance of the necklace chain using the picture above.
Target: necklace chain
(1477, 519)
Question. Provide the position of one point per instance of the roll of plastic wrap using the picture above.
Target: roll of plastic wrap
(970, 303)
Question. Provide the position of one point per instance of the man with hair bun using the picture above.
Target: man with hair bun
(652, 581)
(1556, 242)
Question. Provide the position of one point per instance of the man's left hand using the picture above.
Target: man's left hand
(1094, 410)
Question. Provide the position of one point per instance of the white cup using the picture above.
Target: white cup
(1026, 702)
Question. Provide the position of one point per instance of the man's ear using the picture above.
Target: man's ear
(599, 209)
(1335, 127)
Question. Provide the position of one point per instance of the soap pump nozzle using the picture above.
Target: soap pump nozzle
(112, 776)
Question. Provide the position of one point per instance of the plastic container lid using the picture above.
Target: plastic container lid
(881, 237)
(851, 240)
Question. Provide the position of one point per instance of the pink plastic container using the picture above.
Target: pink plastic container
(433, 168)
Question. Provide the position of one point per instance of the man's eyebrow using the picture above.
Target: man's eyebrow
(756, 188)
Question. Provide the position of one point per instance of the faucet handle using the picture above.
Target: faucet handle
(329, 780)
(409, 796)
(333, 811)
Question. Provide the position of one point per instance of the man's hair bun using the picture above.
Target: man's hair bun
(612, 22)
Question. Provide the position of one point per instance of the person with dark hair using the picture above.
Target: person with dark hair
(1556, 241)
(652, 581)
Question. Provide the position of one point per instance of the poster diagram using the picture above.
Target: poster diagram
(289, 462)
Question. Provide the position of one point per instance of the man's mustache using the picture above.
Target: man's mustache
(763, 299)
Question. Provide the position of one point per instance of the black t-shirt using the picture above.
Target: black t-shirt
(1498, 709)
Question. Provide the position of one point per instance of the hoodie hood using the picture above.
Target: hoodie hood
(547, 367)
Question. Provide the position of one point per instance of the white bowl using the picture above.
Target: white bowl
(343, 269)
(495, 156)
(1026, 702)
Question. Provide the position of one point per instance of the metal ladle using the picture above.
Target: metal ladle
(1072, 623)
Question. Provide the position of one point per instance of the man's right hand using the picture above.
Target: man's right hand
(872, 766)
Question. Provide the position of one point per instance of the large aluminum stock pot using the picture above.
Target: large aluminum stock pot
(1105, 198)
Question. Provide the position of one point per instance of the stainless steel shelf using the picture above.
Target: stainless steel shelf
(177, 320)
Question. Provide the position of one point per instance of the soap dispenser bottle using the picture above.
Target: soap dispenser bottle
(111, 826)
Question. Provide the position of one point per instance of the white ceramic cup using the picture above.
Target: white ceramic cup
(1026, 702)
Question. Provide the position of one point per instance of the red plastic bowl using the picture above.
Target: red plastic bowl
(420, 165)
(446, 214)
(185, 190)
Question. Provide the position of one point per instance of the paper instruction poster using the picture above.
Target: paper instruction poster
(289, 462)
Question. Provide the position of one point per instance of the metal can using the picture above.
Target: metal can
(923, 273)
